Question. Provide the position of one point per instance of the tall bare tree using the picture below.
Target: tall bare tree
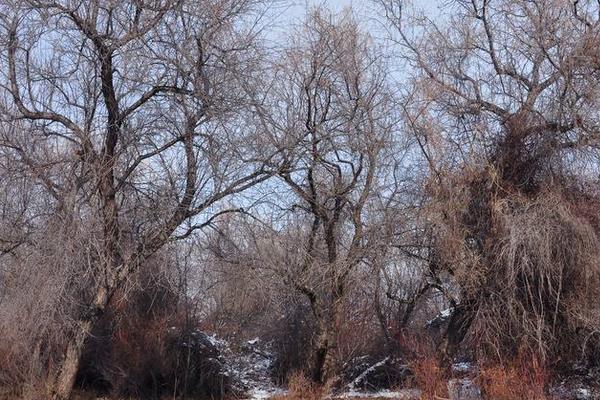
(330, 113)
(504, 104)
(129, 114)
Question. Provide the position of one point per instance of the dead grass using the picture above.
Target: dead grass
(429, 377)
(302, 388)
(524, 378)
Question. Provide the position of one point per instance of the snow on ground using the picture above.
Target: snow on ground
(462, 367)
(352, 385)
(264, 394)
(406, 394)
(251, 366)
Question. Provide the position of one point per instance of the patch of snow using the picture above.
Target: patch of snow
(406, 394)
(463, 389)
(446, 313)
(264, 394)
(442, 317)
(366, 372)
(355, 360)
(250, 367)
(462, 367)
(218, 343)
(583, 393)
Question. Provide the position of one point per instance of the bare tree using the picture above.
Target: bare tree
(129, 114)
(503, 103)
(330, 113)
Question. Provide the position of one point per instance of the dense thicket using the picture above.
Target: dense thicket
(426, 184)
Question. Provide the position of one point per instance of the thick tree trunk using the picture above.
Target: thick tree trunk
(324, 358)
(458, 327)
(64, 381)
(65, 378)
(319, 354)
(325, 353)
(330, 362)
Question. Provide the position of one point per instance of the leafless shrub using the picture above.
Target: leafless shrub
(546, 278)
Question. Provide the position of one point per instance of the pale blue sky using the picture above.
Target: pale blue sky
(364, 7)
(291, 12)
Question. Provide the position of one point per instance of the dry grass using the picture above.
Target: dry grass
(506, 384)
(302, 388)
(519, 380)
(429, 377)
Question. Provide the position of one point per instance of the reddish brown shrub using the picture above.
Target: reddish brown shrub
(302, 388)
(523, 378)
(145, 346)
(429, 377)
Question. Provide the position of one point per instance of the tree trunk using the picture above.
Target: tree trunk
(458, 327)
(330, 361)
(65, 378)
(325, 358)
(319, 356)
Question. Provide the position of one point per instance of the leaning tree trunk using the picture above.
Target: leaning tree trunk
(67, 373)
(64, 380)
